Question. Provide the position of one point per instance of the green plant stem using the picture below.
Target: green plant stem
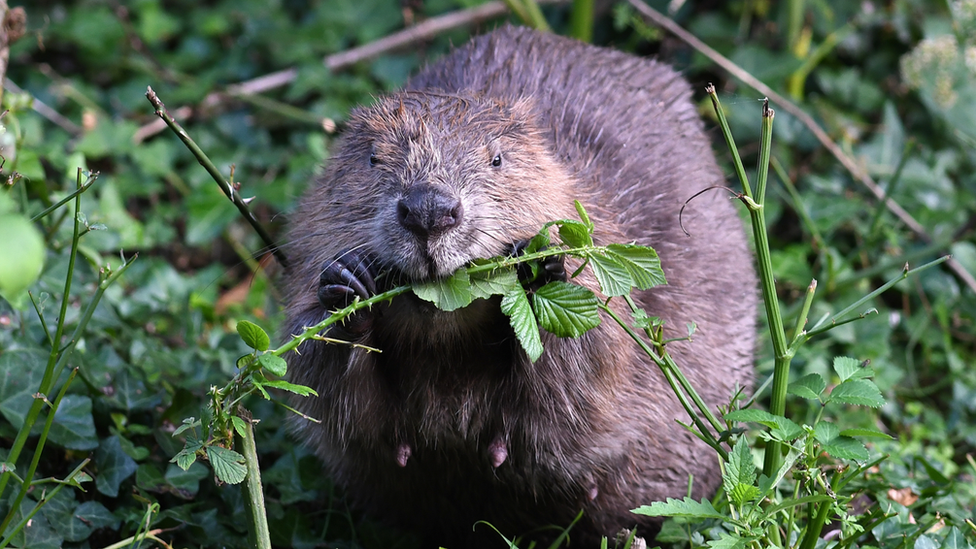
(92, 176)
(740, 170)
(801, 321)
(229, 190)
(44, 499)
(536, 19)
(906, 272)
(48, 380)
(151, 535)
(581, 20)
(258, 534)
(798, 205)
(799, 76)
(36, 458)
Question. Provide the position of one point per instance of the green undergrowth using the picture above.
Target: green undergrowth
(138, 345)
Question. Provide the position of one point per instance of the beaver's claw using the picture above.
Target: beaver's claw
(343, 278)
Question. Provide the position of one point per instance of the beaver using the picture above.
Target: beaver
(451, 423)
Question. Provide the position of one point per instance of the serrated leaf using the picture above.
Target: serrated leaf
(497, 282)
(845, 367)
(680, 508)
(727, 541)
(566, 310)
(613, 277)
(784, 427)
(859, 392)
(516, 305)
(274, 364)
(228, 465)
(185, 458)
(824, 432)
(188, 423)
(581, 212)
(574, 234)
(641, 262)
(239, 425)
(741, 470)
(447, 294)
(290, 387)
(809, 386)
(846, 448)
(743, 493)
(253, 335)
(865, 432)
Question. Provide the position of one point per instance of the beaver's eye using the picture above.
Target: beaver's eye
(497, 161)
(373, 159)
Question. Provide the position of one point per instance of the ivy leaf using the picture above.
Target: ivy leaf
(613, 277)
(74, 427)
(859, 392)
(516, 305)
(274, 364)
(253, 335)
(680, 508)
(228, 465)
(809, 386)
(641, 262)
(566, 310)
(497, 282)
(447, 294)
(114, 466)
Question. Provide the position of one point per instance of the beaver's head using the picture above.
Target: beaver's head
(428, 181)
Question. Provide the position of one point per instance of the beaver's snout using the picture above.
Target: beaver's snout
(428, 211)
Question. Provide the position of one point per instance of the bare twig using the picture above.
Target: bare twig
(338, 61)
(849, 163)
(229, 189)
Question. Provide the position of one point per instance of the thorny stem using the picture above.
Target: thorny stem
(224, 185)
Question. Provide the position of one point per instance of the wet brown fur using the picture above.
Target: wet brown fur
(451, 423)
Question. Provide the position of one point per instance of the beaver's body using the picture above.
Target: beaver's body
(451, 423)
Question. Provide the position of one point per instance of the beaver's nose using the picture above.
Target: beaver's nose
(428, 211)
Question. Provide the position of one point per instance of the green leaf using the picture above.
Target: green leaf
(228, 465)
(846, 448)
(614, 278)
(740, 475)
(859, 392)
(825, 431)
(74, 427)
(253, 335)
(188, 423)
(497, 282)
(516, 305)
(727, 541)
(681, 508)
(239, 425)
(185, 458)
(955, 539)
(865, 432)
(114, 466)
(21, 371)
(809, 386)
(574, 234)
(641, 262)
(783, 427)
(290, 387)
(186, 481)
(446, 294)
(581, 212)
(274, 364)
(851, 368)
(22, 250)
(566, 310)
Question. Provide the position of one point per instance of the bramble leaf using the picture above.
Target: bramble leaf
(613, 277)
(497, 282)
(566, 310)
(253, 335)
(447, 294)
(228, 465)
(516, 305)
(274, 364)
(641, 262)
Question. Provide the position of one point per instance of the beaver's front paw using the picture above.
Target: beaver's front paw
(344, 278)
(548, 269)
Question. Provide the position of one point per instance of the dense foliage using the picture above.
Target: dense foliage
(891, 82)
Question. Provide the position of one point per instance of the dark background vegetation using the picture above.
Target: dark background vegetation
(901, 72)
